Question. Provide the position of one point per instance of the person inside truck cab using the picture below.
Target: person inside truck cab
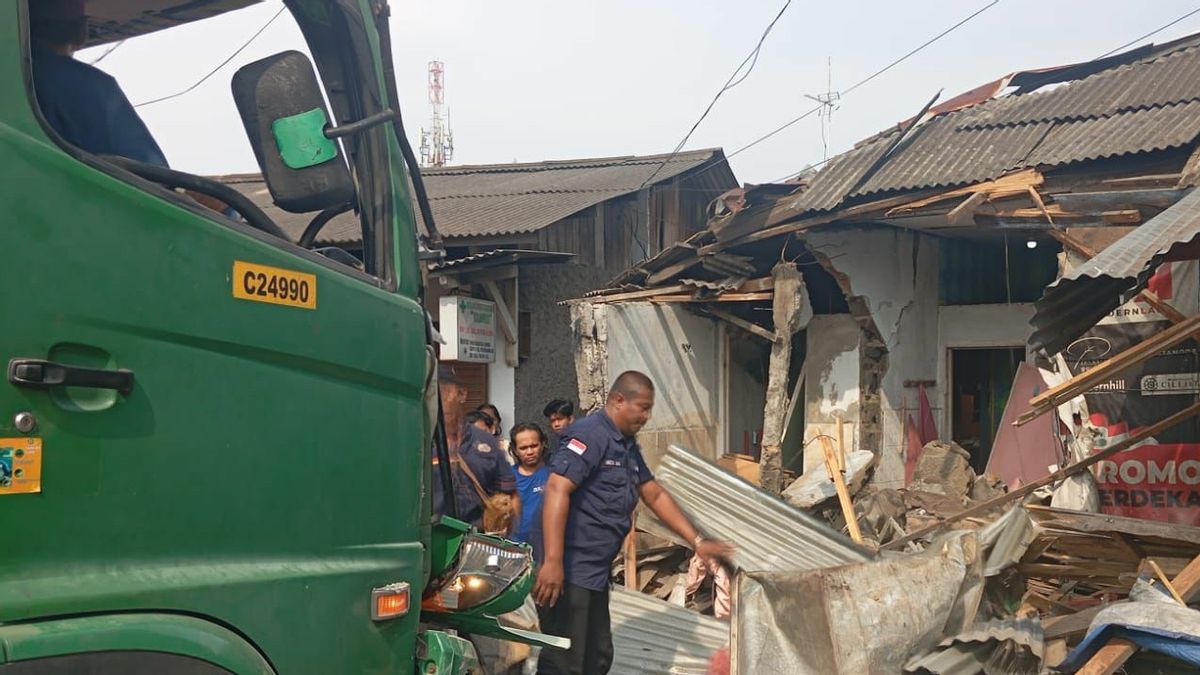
(83, 104)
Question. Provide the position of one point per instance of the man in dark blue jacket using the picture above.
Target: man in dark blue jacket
(596, 477)
(81, 103)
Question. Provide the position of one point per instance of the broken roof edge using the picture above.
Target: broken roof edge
(1076, 301)
(578, 163)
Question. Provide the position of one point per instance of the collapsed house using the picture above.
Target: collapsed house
(999, 286)
(920, 254)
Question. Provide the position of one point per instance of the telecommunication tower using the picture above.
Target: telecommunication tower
(437, 142)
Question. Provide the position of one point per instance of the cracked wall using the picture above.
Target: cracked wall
(890, 278)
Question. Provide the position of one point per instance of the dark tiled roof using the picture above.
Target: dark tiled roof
(1149, 105)
(1074, 303)
(502, 199)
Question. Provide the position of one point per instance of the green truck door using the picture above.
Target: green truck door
(265, 467)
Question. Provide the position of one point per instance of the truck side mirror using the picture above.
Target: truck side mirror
(281, 105)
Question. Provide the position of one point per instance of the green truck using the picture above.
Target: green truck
(215, 440)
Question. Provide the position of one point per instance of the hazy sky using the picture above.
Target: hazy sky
(544, 79)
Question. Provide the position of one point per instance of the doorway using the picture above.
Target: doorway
(981, 380)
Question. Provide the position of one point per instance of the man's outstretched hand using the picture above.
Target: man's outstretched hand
(715, 550)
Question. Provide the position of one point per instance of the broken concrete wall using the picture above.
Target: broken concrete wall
(890, 277)
(589, 326)
(832, 389)
(683, 354)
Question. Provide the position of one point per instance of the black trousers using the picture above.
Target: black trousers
(581, 615)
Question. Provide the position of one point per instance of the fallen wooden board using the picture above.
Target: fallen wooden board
(1085, 381)
(1113, 655)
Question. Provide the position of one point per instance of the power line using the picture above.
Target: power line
(224, 63)
(1106, 54)
(106, 53)
(867, 79)
(1150, 34)
(733, 81)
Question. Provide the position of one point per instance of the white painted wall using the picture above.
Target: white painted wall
(502, 388)
(682, 353)
(896, 271)
(831, 375)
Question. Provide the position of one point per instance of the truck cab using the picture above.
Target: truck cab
(215, 436)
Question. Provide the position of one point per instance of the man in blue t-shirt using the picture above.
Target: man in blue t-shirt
(528, 448)
(596, 477)
(81, 103)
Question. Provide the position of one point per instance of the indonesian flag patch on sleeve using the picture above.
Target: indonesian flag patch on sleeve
(577, 446)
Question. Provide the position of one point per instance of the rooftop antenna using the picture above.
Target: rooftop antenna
(827, 102)
(437, 142)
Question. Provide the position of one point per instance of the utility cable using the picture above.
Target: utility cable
(1106, 54)
(108, 51)
(1152, 33)
(224, 63)
(867, 79)
(733, 81)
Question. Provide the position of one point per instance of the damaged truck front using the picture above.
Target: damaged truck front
(215, 433)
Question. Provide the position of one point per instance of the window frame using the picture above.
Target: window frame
(371, 143)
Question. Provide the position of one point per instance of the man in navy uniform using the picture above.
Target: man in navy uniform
(596, 477)
(83, 104)
(471, 446)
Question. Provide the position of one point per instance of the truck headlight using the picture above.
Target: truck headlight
(486, 567)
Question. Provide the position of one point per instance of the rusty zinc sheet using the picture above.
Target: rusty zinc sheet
(770, 534)
(652, 636)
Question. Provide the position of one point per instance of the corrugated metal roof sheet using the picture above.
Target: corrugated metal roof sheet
(1147, 106)
(1074, 303)
(502, 199)
(653, 637)
(770, 534)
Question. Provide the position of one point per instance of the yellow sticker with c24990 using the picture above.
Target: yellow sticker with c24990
(277, 286)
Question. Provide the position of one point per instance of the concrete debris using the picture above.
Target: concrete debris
(944, 468)
(815, 486)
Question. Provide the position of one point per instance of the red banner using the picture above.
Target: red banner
(1158, 479)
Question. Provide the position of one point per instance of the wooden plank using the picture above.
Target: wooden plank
(756, 285)
(1083, 382)
(638, 295)
(729, 296)
(833, 466)
(1113, 655)
(598, 235)
(1005, 186)
(631, 571)
(670, 271)
(745, 325)
(964, 213)
(1065, 472)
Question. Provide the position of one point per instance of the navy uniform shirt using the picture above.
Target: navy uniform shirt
(88, 109)
(482, 454)
(607, 468)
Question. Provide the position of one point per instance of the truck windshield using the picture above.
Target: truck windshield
(142, 90)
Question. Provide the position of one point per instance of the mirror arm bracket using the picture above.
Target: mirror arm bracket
(362, 125)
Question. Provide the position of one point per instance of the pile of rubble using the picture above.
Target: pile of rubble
(1018, 588)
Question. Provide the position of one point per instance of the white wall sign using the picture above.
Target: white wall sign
(469, 327)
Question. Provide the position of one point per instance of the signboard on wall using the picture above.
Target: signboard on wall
(1160, 478)
(468, 325)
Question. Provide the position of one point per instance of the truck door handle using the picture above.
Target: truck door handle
(38, 374)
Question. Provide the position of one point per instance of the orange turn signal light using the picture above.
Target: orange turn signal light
(390, 602)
